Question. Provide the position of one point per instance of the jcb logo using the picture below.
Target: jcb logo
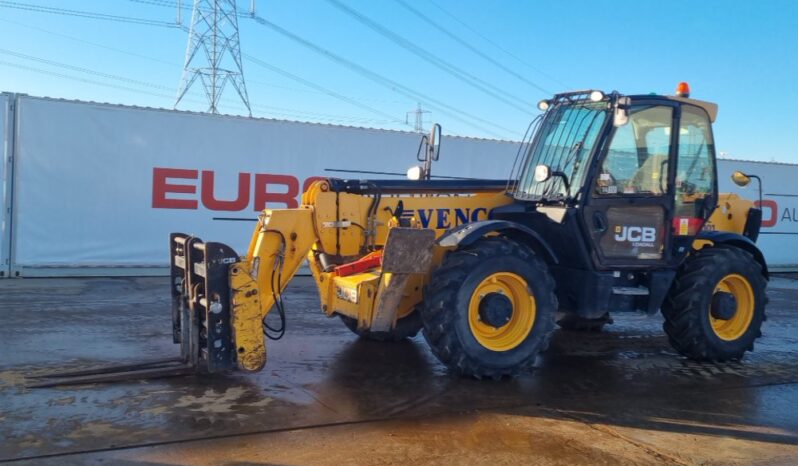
(635, 234)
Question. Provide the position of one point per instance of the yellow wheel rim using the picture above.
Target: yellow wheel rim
(513, 330)
(735, 327)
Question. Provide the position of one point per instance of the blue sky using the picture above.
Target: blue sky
(738, 54)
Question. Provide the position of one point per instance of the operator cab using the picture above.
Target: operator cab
(619, 184)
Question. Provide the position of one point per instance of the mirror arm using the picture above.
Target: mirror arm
(428, 167)
(759, 185)
(565, 180)
(421, 144)
(746, 180)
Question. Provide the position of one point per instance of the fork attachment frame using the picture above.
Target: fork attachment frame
(201, 302)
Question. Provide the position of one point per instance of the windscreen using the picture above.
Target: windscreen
(564, 142)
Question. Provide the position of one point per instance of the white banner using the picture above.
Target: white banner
(103, 185)
(778, 238)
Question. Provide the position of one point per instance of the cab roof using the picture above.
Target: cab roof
(582, 96)
(710, 107)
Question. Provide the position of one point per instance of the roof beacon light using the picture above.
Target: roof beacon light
(596, 96)
(683, 90)
(543, 105)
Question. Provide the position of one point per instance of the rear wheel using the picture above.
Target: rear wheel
(489, 309)
(406, 327)
(716, 305)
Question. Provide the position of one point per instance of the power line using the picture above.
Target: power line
(169, 63)
(83, 41)
(499, 47)
(84, 70)
(395, 86)
(83, 14)
(164, 3)
(182, 6)
(280, 111)
(318, 87)
(470, 47)
(315, 91)
(459, 73)
(444, 108)
(155, 94)
(83, 80)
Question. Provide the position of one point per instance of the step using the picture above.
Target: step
(630, 290)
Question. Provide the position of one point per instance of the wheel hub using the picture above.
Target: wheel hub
(495, 309)
(724, 305)
(501, 311)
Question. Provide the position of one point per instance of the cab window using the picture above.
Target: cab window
(637, 159)
(695, 170)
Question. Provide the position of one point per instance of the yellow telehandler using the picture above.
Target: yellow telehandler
(612, 206)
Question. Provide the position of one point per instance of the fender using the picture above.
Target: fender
(469, 233)
(737, 240)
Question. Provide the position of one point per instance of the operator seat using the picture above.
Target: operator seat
(648, 178)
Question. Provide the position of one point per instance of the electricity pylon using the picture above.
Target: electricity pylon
(419, 113)
(213, 55)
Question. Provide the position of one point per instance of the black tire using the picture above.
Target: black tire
(406, 327)
(571, 321)
(687, 306)
(445, 309)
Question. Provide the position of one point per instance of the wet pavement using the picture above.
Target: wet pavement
(326, 397)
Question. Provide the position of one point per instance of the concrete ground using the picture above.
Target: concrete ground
(326, 397)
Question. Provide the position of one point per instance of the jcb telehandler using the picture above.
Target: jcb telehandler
(612, 206)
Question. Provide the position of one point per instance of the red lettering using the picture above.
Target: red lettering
(263, 196)
(163, 184)
(160, 188)
(310, 181)
(209, 200)
(774, 210)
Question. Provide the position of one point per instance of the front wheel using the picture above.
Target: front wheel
(716, 305)
(488, 310)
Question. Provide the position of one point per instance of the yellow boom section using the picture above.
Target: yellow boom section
(345, 226)
(278, 247)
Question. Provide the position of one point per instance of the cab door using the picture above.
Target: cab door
(629, 202)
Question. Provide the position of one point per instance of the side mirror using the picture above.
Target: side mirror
(435, 141)
(542, 173)
(621, 115)
(740, 179)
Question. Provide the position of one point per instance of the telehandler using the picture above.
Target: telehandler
(612, 206)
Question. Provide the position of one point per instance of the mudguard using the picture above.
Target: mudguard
(737, 240)
(468, 233)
